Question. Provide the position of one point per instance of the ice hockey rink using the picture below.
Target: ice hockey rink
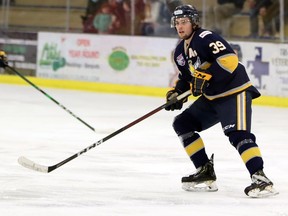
(136, 172)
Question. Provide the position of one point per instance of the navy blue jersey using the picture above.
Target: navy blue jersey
(211, 52)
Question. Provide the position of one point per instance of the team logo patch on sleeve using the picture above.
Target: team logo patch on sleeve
(180, 60)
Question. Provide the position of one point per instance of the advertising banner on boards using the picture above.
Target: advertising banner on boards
(147, 61)
(106, 58)
(267, 66)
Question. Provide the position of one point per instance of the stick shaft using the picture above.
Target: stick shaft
(106, 138)
(51, 98)
(37, 167)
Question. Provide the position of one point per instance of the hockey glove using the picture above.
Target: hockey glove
(181, 87)
(3, 59)
(200, 80)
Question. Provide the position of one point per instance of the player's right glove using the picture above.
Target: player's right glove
(180, 87)
(200, 81)
(3, 59)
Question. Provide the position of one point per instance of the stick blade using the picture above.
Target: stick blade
(25, 162)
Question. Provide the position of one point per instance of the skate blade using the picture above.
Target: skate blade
(267, 192)
(207, 186)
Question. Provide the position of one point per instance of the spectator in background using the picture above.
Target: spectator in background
(223, 13)
(157, 19)
(257, 13)
(263, 31)
(87, 19)
(140, 8)
(122, 11)
(120, 8)
(93, 6)
(219, 14)
(163, 27)
(104, 20)
(269, 20)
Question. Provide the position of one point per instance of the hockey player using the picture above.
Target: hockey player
(3, 59)
(210, 68)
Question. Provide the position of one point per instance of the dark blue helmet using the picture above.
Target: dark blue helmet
(185, 11)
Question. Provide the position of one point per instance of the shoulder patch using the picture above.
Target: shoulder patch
(180, 60)
(204, 33)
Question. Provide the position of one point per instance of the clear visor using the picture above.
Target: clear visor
(175, 20)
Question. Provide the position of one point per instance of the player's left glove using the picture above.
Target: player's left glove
(180, 87)
(3, 59)
(200, 82)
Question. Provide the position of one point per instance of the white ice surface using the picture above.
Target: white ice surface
(137, 172)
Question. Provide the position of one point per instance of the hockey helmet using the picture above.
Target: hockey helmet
(185, 11)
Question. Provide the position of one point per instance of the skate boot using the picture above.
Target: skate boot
(261, 186)
(202, 180)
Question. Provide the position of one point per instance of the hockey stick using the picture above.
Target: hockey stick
(46, 169)
(51, 98)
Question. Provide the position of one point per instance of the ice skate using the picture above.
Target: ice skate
(261, 186)
(203, 180)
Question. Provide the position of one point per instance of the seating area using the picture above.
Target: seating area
(52, 3)
(240, 26)
(45, 15)
(65, 16)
